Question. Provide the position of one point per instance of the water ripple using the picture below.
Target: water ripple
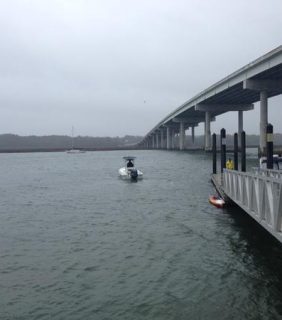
(79, 243)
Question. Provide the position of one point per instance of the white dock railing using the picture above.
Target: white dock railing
(259, 193)
(268, 173)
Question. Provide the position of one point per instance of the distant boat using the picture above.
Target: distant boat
(73, 150)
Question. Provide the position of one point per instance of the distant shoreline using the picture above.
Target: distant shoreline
(62, 150)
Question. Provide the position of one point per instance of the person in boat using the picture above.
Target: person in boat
(130, 164)
(229, 164)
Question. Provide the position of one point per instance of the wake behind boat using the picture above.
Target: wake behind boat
(129, 171)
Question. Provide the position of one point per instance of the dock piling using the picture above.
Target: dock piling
(235, 151)
(223, 148)
(269, 146)
(243, 151)
(214, 153)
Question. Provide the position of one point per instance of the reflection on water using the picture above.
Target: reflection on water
(79, 243)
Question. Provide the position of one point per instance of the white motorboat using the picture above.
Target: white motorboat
(129, 171)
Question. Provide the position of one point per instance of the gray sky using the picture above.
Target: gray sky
(111, 68)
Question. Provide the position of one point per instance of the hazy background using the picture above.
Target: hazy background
(112, 68)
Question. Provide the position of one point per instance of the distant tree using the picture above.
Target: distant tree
(15, 142)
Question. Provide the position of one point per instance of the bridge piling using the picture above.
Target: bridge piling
(263, 120)
(207, 131)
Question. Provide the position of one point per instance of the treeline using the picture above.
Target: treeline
(11, 142)
(251, 140)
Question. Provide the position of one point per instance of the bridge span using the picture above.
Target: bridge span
(257, 81)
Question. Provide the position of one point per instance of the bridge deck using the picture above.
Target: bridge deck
(229, 94)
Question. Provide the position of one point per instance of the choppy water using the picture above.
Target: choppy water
(78, 243)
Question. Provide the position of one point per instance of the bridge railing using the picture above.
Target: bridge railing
(259, 194)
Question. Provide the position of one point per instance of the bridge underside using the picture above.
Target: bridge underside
(255, 82)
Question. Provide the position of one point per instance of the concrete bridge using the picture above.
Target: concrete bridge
(257, 81)
(258, 192)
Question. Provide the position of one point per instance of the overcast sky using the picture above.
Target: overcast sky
(112, 68)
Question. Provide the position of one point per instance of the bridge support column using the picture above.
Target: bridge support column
(153, 141)
(157, 140)
(207, 130)
(181, 135)
(172, 139)
(263, 121)
(162, 139)
(263, 86)
(193, 135)
(220, 108)
(168, 138)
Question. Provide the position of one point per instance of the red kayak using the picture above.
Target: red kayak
(217, 201)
